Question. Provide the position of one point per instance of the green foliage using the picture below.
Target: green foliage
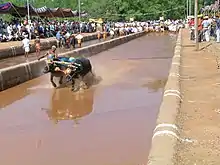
(138, 9)
(121, 9)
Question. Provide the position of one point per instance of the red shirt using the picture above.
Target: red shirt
(191, 22)
(200, 24)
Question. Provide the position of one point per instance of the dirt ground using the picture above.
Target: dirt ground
(199, 116)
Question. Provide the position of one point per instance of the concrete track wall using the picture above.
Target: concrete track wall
(166, 133)
(18, 74)
(46, 44)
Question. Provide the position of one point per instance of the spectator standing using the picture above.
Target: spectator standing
(206, 28)
(79, 38)
(217, 28)
(37, 46)
(200, 33)
(26, 46)
(58, 37)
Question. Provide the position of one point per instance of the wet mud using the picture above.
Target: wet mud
(110, 123)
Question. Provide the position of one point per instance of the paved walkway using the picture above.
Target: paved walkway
(4, 45)
(200, 110)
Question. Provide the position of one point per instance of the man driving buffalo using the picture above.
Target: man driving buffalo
(69, 67)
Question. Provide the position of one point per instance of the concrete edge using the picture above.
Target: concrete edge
(13, 51)
(15, 75)
(166, 133)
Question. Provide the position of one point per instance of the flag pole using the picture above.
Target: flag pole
(79, 6)
(196, 25)
(187, 8)
(29, 20)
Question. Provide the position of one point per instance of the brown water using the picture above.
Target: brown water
(32, 56)
(108, 124)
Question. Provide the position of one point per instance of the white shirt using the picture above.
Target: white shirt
(9, 29)
(206, 23)
(26, 43)
(112, 32)
(19, 27)
(28, 28)
(67, 35)
(79, 37)
(140, 29)
(121, 29)
(135, 30)
(10, 36)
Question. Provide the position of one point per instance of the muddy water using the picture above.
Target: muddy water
(108, 124)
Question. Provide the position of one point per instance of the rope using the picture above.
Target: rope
(16, 11)
(51, 14)
(36, 13)
(39, 16)
(62, 13)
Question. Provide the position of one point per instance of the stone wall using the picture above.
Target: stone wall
(166, 133)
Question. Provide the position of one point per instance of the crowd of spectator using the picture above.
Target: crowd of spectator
(16, 29)
(208, 28)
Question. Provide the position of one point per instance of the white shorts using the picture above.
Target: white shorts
(27, 49)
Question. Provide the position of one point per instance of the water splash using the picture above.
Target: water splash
(45, 86)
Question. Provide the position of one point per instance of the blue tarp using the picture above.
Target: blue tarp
(10, 8)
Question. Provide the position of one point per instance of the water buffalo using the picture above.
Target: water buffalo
(77, 73)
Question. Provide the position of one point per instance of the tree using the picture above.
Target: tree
(122, 9)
